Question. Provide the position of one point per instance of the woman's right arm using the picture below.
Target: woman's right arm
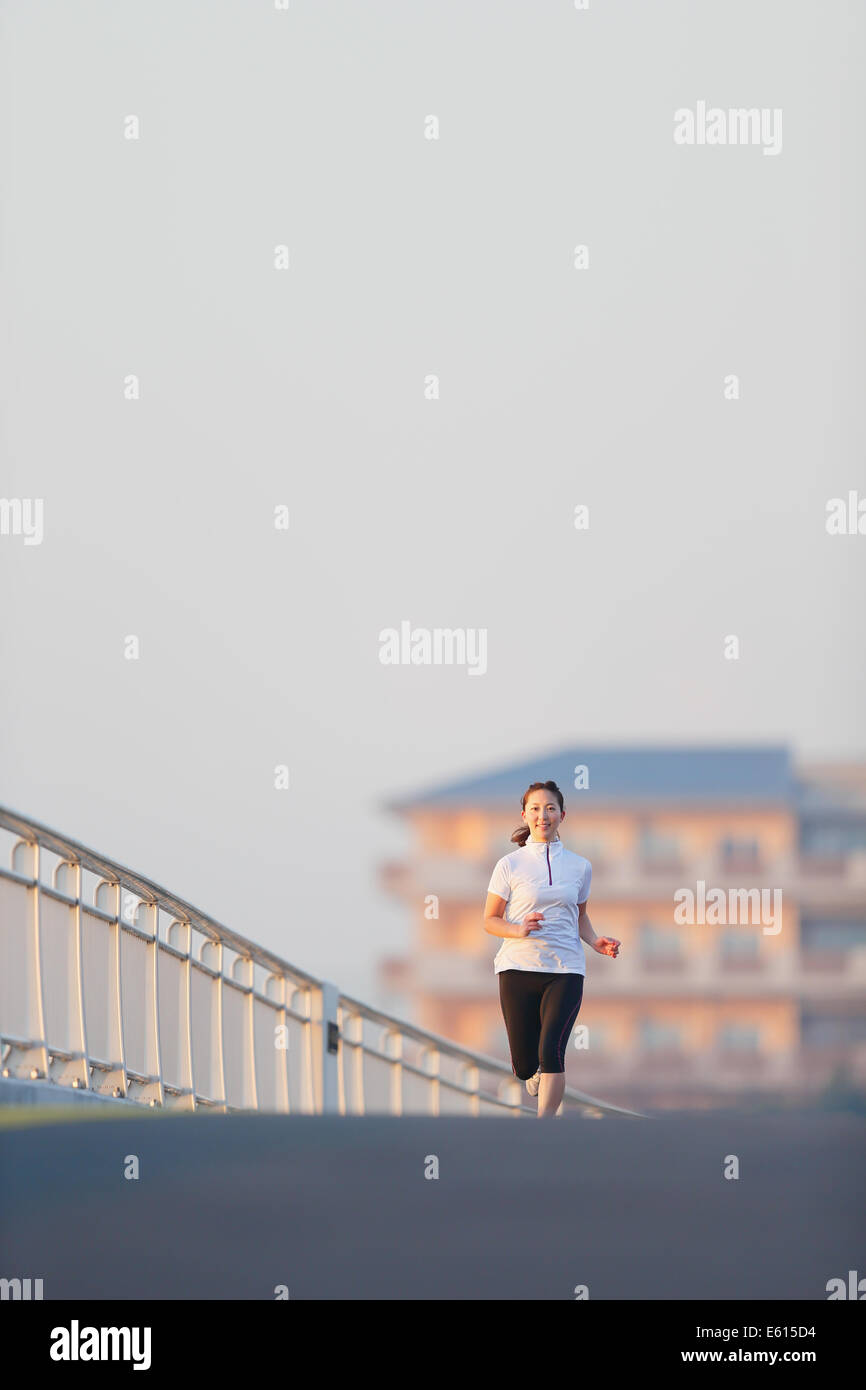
(494, 919)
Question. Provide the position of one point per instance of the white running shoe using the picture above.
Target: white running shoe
(533, 1084)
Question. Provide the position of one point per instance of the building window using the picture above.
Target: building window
(829, 1030)
(597, 1038)
(739, 852)
(660, 945)
(593, 850)
(498, 837)
(738, 944)
(832, 841)
(832, 934)
(658, 851)
(496, 1041)
(656, 1036)
(470, 835)
(739, 1037)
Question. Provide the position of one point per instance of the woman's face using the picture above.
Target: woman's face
(542, 815)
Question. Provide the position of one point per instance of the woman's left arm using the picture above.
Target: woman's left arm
(605, 945)
(584, 926)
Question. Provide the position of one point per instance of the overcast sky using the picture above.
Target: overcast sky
(564, 379)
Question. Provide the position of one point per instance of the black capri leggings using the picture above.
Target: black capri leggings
(539, 1011)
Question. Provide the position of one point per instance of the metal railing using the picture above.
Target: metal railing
(111, 984)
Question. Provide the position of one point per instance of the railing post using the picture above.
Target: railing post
(326, 1034)
(211, 955)
(180, 936)
(29, 1059)
(430, 1059)
(75, 1071)
(352, 1059)
(341, 1061)
(152, 1092)
(243, 972)
(114, 1082)
(304, 999)
(394, 1049)
(512, 1093)
(471, 1076)
(278, 985)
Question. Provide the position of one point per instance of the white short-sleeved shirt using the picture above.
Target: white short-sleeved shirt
(545, 877)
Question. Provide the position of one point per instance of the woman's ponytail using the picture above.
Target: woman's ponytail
(521, 835)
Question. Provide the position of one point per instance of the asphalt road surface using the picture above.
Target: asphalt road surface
(331, 1207)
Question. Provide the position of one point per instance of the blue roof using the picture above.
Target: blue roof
(761, 773)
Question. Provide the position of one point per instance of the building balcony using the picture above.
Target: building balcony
(823, 865)
(810, 882)
(829, 962)
(663, 964)
(442, 974)
(828, 885)
(776, 974)
(779, 975)
(668, 866)
(737, 865)
(745, 964)
(395, 973)
(714, 1068)
(798, 1071)
(453, 878)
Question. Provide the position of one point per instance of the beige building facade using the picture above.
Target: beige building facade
(736, 883)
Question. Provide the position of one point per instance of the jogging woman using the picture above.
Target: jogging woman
(541, 962)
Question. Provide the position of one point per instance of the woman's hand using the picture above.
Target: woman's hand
(531, 922)
(606, 946)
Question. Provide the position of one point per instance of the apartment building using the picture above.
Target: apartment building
(702, 1012)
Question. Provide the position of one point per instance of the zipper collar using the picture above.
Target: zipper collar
(542, 848)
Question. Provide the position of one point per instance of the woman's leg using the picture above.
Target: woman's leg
(560, 1006)
(551, 1089)
(519, 995)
